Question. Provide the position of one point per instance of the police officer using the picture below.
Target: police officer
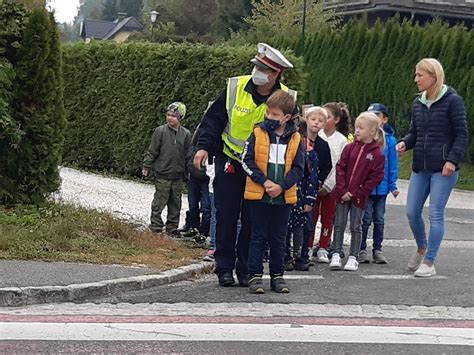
(224, 130)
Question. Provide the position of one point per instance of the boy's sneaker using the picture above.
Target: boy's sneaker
(425, 271)
(289, 266)
(378, 257)
(335, 262)
(256, 284)
(322, 256)
(352, 264)
(363, 257)
(415, 261)
(279, 285)
(209, 255)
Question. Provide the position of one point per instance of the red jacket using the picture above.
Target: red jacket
(359, 170)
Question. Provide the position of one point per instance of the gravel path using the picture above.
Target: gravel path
(125, 199)
(132, 200)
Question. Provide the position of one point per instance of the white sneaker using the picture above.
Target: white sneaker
(425, 271)
(352, 264)
(335, 262)
(322, 255)
(415, 261)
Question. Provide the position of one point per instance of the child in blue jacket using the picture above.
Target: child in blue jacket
(375, 211)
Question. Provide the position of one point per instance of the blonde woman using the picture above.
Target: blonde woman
(438, 137)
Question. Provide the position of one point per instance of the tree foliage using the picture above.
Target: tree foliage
(113, 7)
(230, 17)
(31, 4)
(109, 10)
(277, 21)
(221, 16)
(90, 9)
(31, 152)
(189, 16)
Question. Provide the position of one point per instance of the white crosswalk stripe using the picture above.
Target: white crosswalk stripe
(235, 332)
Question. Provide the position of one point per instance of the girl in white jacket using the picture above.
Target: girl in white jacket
(335, 134)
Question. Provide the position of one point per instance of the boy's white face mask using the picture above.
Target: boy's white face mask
(259, 78)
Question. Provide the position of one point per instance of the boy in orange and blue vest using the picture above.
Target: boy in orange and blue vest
(273, 158)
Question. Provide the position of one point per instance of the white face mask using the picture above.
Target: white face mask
(259, 78)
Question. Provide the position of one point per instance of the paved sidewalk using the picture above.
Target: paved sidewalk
(33, 282)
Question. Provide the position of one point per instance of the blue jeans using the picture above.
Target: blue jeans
(212, 229)
(269, 225)
(199, 202)
(374, 212)
(438, 187)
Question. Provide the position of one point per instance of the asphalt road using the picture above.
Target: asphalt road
(215, 347)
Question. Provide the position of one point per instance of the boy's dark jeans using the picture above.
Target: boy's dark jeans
(199, 202)
(269, 225)
(375, 212)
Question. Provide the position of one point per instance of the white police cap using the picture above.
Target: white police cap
(270, 57)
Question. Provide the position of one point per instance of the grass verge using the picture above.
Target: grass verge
(56, 232)
(466, 177)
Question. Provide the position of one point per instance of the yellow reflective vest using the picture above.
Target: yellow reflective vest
(243, 115)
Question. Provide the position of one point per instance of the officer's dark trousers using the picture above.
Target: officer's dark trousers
(230, 204)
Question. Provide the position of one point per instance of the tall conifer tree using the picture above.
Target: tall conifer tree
(37, 109)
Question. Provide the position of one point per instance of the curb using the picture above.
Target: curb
(23, 296)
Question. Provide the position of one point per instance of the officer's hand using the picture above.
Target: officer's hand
(145, 172)
(200, 158)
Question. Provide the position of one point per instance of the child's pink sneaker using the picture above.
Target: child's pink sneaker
(209, 255)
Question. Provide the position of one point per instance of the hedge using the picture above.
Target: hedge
(116, 94)
(361, 64)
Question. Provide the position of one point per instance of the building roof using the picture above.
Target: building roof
(461, 9)
(108, 29)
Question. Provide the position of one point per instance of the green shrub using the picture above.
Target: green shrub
(31, 146)
(115, 94)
